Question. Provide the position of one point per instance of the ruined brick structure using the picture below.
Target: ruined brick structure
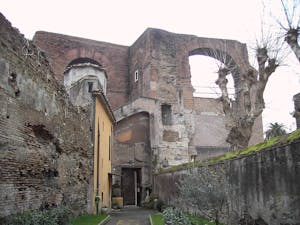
(150, 81)
(45, 147)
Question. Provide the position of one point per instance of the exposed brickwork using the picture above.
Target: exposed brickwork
(152, 72)
(45, 153)
(62, 49)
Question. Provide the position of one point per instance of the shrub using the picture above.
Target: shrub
(175, 216)
(160, 205)
(115, 205)
(55, 216)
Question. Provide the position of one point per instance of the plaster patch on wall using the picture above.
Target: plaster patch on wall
(124, 136)
(209, 113)
(170, 136)
(153, 85)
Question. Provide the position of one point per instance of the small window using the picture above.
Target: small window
(136, 76)
(90, 86)
(166, 114)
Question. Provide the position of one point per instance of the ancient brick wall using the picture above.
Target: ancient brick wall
(264, 185)
(161, 59)
(62, 49)
(156, 66)
(45, 146)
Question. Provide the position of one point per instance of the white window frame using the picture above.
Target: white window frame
(136, 75)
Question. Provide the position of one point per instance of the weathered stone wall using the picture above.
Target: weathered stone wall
(264, 184)
(62, 49)
(45, 147)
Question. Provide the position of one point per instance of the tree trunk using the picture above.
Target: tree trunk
(249, 102)
(292, 40)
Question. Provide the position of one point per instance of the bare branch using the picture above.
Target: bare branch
(286, 12)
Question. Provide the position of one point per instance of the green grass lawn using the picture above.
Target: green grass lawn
(200, 221)
(88, 219)
(157, 219)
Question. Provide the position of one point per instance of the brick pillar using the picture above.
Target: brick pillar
(296, 99)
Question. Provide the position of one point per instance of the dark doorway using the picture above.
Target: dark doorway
(130, 185)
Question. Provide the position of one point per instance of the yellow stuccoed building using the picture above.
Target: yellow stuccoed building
(86, 81)
(103, 127)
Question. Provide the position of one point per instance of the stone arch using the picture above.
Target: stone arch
(217, 54)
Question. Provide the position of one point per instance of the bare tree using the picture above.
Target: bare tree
(250, 83)
(291, 26)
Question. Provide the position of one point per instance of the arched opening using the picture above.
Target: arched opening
(204, 66)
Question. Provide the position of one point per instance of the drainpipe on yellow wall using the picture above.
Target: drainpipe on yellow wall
(98, 172)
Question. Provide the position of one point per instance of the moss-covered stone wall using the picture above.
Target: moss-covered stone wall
(263, 180)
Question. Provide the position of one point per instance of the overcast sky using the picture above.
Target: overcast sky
(122, 22)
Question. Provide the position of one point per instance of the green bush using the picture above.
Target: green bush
(175, 216)
(88, 219)
(160, 205)
(55, 216)
(115, 205)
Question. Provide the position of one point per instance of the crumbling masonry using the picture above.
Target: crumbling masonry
(45, 147)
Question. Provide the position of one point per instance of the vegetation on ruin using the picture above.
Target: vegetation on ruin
(200, 221)
(285, 139)
(55, 216)
(89, 219)
(158, 219)
(208, 194)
